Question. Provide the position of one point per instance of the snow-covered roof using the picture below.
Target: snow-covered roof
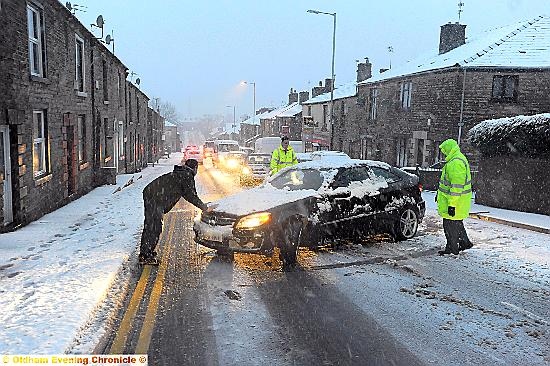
(291, 112)
(228, 127)
(277, 112)
(169, 124)
(343, 91)
(521, 45)
(255, 120)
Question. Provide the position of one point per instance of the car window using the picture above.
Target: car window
(259, 159)
(386, 174)
(348, 175)
(296, 179)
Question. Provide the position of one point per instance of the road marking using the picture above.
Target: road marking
(146, 333)
(126, 325)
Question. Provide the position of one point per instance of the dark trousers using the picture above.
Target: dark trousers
(457, 239)
(152, 227)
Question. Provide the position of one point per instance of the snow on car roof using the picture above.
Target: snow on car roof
(336, 162)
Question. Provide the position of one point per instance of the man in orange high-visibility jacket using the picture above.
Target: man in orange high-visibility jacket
(282, 156)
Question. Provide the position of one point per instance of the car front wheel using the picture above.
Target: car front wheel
(290, 241)
(407, 224)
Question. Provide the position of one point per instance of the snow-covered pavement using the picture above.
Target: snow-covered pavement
(59, 275)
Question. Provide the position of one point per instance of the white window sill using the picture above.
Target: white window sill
(40, 181)
(82, 94)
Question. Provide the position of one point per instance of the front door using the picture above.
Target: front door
(5, 175)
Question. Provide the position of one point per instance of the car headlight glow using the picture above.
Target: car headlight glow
(253, 221)
(232, 163)
(246, 170)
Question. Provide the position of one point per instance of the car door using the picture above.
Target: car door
(349, 201)
(390, 200)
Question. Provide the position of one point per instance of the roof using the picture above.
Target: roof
(291, 112)
(169, 124)
(255, 120)
(343, 91)
(522, 45)
(276, 112)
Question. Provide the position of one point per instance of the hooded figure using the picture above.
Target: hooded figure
(159, 197)
(454, 197)
(282, 156)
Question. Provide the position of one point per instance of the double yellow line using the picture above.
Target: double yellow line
(119, 343)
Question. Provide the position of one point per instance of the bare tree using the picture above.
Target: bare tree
(169, 112)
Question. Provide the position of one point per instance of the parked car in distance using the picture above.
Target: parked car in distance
(255, 170)
(247, 150)
(328, 154)
(232, 161)
(305, 204)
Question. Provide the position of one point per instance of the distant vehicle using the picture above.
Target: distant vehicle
(208, 149)
(267, 145)
(255, 170)
(232, 161)
(193, 153)
(327, 154)
(222, 148)
(247, 150)
(304, 204)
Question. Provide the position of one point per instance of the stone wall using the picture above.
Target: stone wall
(512, 183)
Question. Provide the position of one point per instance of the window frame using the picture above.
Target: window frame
(373, 95)
(36, 15)
(406, 95)
(502, 97)
(81, 125)
(80, 82)
(43, 166)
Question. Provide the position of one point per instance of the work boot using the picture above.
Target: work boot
(443, 252)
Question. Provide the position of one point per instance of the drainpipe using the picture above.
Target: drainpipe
(461, 123)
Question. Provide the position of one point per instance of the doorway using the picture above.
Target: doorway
(5, 175)
(71, 161)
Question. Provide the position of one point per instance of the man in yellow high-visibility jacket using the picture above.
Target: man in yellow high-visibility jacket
(282, 156)
(454, 197)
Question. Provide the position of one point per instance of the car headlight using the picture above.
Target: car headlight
(253, 221)
(246, 170)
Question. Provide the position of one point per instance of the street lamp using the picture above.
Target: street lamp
(333, 15)
(254, 112)
(234, 122)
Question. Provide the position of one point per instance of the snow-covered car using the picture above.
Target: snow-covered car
(328, 154)
(305, 204)
(255, 170)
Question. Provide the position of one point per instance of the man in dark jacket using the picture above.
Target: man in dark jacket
(159, 197)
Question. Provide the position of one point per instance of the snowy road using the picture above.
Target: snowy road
(375, 302)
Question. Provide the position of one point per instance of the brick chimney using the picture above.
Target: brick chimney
(328, 85)
(292, 96)
(303, 96)
(452, 36)
(364, 70)
(317, 90)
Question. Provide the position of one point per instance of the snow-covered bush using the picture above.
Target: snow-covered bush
(527, 136)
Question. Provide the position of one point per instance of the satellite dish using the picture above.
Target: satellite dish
(138, 81)
(99, 21)
(108, 39)
(68, 5)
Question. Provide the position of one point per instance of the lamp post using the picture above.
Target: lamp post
(234, 122)
(254, 111)
(333, 15)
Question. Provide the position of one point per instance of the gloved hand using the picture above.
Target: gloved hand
(451, 211)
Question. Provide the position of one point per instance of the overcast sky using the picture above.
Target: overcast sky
(195, 53)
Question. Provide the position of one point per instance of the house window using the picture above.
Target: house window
(79, 64)
(402, 158)
(372, 105)
(309, 110)
(105, 82)
(119, 88)
(40, 143)
(505, 87)
(81, 122)
(406, 91)
(35, 29)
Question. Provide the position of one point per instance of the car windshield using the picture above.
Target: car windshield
(228, 147)
(296, 179)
